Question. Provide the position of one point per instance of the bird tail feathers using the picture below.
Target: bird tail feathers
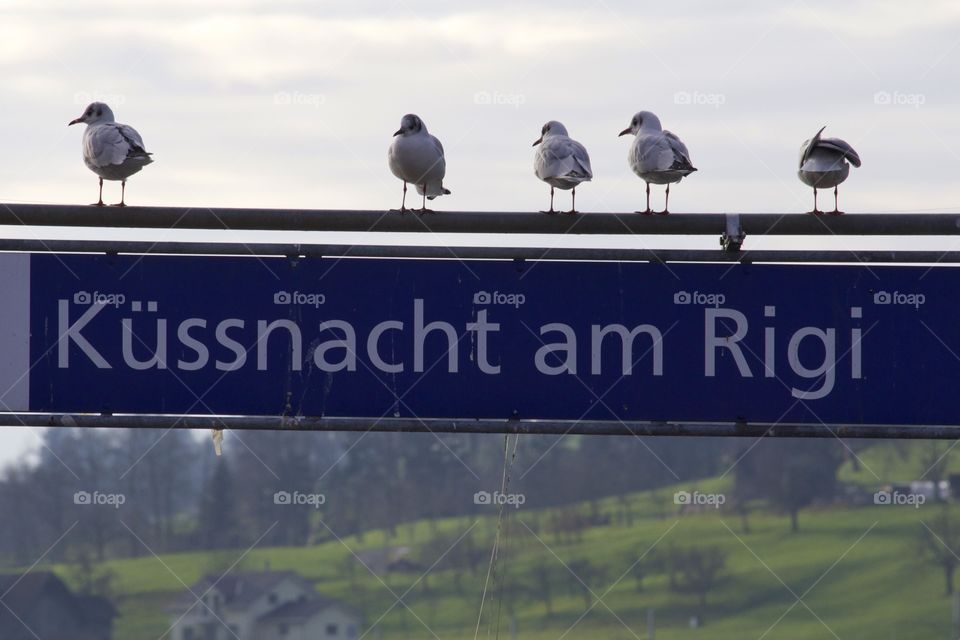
(433, 190)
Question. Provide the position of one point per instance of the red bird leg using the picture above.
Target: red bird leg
(99, 203)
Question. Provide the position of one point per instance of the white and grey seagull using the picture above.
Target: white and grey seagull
(417, 157)
(657, 156)
(823, 164)
(561, 162)
(111, 150)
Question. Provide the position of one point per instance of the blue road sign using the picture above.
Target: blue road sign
(379, 338)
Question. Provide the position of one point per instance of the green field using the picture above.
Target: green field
(856, 569)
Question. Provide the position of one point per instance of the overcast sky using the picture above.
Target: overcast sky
(292, 104)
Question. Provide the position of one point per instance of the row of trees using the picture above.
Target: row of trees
(178, 496)
(688, 570)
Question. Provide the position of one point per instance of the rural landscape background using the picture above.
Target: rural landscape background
(595, 533)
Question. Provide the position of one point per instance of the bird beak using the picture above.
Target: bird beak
(399, 131)
(537, 141)
(75, 121)
(624, 132)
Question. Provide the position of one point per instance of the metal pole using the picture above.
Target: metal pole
(535, 427)
(778, 224)
(478, 253)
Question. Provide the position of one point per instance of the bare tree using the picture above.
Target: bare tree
(643, 566)
(789, 479)
(939, 540)
(585, 576)
(625, 509)
(544, 578)
(696, 570)
(89, 579)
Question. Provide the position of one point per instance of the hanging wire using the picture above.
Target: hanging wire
(494, 551)
(508, 472)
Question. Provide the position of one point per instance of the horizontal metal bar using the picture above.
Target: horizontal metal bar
(535, 427)
(945, 224)
(468, 253)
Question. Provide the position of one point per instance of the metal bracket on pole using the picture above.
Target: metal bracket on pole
(732, 238)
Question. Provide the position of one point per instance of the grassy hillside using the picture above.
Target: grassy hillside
(901, 461)
(856, 569)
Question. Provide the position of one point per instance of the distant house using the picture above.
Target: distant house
(262, 605)
(389, 560)
(931, 490)
(926, 488)
(39, 605)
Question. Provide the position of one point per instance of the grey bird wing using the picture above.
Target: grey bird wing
(653, 152)
(841, 147)
(438, 145)
(807, 147)
(680, 152)
(582, 159)
(563, 157)
(113, 143)
(435, 186)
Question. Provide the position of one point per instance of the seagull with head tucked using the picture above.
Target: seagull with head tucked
(657, 156)
(111, 150)
(823, 164)
(417, 157)
(561, 162)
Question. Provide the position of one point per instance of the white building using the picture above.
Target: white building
(264, 605)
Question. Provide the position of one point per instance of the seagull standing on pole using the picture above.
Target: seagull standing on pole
(417, 157)
(823, 164)
(561, 162)
(657, 156)
(111, 150)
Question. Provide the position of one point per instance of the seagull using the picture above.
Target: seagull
(656, 155)
(823, 164)
(561, 162)
(111, 150)
(416, 156)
